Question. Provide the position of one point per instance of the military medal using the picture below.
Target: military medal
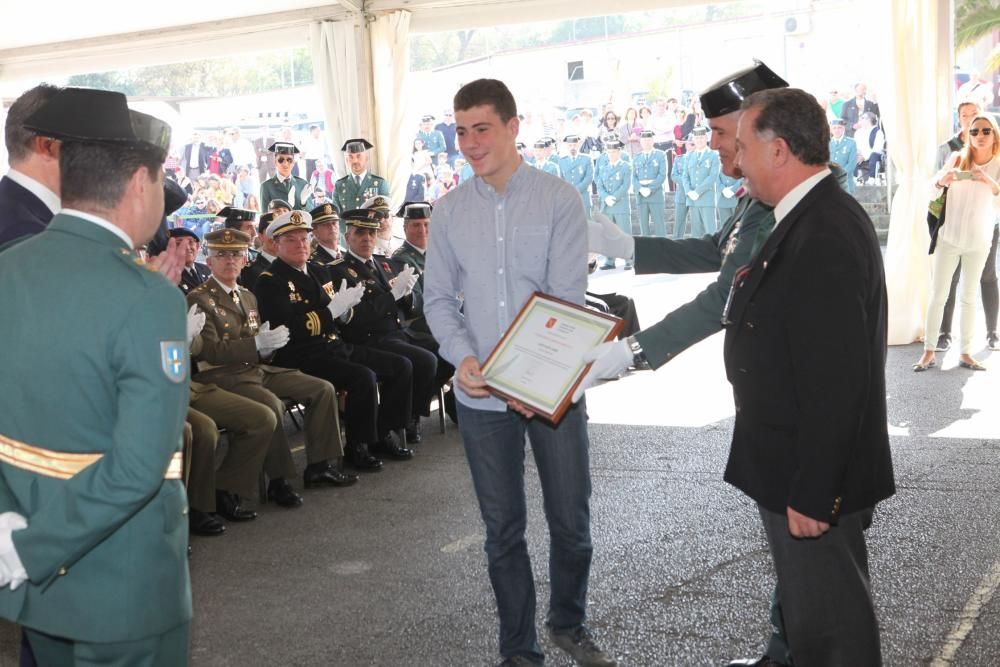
(252, 321)
(329, 289)
(352, 273)
(731, 241)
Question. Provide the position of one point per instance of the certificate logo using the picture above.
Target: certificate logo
(551, 323)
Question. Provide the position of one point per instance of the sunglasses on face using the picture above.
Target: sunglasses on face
(283, 160)
(987, 131)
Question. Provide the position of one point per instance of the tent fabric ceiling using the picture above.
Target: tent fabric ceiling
(111, 34)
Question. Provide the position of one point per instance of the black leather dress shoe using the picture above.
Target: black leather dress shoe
(359, 457)
(413, 436)
(204, 523)
(763, 661)
(392, 446)
(229, 506)
(326, 475)
(280, 491)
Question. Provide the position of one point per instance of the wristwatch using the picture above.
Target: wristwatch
(639, 360)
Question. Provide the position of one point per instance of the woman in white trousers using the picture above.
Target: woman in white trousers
(972, 177)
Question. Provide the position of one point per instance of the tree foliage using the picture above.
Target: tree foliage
(219, 77)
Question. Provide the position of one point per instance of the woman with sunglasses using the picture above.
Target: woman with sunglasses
(972, 177)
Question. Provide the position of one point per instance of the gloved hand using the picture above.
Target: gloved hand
(605, 238)
(405, 281)
(609, 360)
(268, 340)
(610, 200)
(195, 322)
(645, 192)
(345, 298)
(693, 196)
(727, 192)
(12, 571)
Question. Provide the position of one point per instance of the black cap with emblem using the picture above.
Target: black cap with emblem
(356, 146)
(366, 218)
(727, 94)
(324, 213)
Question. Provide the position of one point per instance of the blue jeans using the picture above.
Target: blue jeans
(494, 447)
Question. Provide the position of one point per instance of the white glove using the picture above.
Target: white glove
(195, 322)
(727, 192)
(609, 361)
(693, 196)
(268, 340)
(610, 200)
(605, 238)
(306, 193)
(405, 281)
(645, 192)
(12, 572)
(345, 298)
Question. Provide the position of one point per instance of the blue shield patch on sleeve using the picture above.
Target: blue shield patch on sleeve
(173, 359)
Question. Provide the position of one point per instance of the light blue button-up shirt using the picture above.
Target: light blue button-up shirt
(488, 253)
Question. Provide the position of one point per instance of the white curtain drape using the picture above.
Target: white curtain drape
(390, 50)
(917, 116)
(334, 47)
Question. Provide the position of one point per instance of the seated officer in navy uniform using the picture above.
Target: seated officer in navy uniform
(194, 273)
(326, 234)
(388, 301)
(266, 255)
(234, 343)
(284, 185)
(290, 294)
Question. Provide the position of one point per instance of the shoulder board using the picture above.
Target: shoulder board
(199, 289)
(339, 260)
(266, 274)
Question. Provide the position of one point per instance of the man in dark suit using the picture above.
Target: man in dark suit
(194, 273)
(805, 352)
(250, 273)
(29, 193)
(194, 159)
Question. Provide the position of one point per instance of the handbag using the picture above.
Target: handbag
(935, 217)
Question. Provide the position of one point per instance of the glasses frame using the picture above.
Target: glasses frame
(974, 132)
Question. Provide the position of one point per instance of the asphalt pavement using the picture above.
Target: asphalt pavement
(392, 572)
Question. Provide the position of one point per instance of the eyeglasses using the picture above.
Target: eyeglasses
(283, 160)
(987, 131)
(229, 254)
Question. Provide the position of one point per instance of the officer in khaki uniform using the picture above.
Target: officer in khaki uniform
(233, 344)
(93, 534)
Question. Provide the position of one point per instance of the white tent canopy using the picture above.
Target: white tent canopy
(361, 55)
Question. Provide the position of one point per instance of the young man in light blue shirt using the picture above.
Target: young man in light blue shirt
(498, 238)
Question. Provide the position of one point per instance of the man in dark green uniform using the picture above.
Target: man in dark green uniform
(285, 185)
(96, 475)
(351, 191)
(732, 247)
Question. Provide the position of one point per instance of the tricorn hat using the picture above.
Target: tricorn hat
(726, 95)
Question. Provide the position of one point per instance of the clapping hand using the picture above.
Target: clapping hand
(268, 340)
(404, 282)
(195, 322)
(345, 298)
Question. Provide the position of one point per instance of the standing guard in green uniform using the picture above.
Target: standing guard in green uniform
(285, 185)
(434, 142)
(701, 176)
(843, 150)
(543, 153)
(680, 196)
(351, 191)
(734, 246)
(93, 526)
(613, 182)
(577, 170)
(649, 173)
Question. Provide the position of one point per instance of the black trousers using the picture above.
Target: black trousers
(824, 592)
(379, 386)
(988, 285)
(430, 371)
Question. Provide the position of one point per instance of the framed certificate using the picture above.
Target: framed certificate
(538, 362)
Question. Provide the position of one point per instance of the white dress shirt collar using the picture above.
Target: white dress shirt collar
(101, 222)
(362, 259)
(795, 195)
(49, 198)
